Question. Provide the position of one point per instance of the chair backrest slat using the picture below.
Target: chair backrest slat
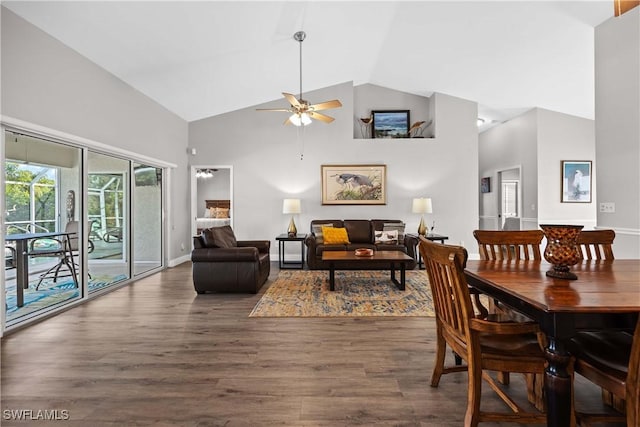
(596, 244)
(451, 298)
(509, 245)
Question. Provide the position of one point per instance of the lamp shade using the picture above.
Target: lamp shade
(422, 205)
(291, 206)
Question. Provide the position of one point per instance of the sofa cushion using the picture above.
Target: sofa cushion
(335, 236)
(359, 230)
(323, 248)
(354, 246)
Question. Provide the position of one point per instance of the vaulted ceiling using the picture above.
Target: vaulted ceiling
(205, 58)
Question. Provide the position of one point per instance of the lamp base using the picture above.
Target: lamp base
(422, 229)
(292, 231)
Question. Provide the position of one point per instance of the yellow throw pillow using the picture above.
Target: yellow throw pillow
(335, 236)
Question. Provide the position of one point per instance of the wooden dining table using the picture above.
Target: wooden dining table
(606, 295)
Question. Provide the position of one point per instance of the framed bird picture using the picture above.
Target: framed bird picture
(354, 184)
(576, 181)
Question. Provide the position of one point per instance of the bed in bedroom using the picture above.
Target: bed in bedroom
(216, 214)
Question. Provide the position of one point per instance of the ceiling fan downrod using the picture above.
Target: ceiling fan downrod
(299, 37)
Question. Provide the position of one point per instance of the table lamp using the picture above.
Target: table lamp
(291, 206)
(422, 206)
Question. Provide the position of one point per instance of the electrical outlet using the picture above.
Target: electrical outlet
(607, 207)
(182, 247)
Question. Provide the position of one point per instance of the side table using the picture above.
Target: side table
(430, 236)
(282, 239)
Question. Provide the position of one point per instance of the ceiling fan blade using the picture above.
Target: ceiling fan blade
(320, 116)
(274, 109)
(325, 105)
(292, 100)
(287, 122)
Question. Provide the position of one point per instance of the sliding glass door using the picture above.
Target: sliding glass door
(77, 222)
(43, 254)
(147, 218)
(107, 220)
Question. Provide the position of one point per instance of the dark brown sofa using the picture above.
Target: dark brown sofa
(226, 265)
(361, 235)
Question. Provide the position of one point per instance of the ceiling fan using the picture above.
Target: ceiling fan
(301, 111)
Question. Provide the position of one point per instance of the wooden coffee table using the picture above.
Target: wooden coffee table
(392, 259)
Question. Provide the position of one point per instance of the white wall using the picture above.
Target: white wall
(617, 71)
(267, 166)
(563, 137)
(48, 84)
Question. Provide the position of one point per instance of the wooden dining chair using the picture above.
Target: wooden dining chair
(596, 244)
(610, 359)
(509, 244)
(483, 344)
(512, 245)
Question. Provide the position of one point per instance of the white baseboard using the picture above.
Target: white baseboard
(177, 261)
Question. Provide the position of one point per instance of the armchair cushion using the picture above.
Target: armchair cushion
(219, 237)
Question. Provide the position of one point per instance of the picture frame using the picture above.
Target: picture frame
(390, 124)
(575, 181)
(485, 185)
(354, 184)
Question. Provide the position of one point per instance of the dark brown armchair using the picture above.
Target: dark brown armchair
(223, 264)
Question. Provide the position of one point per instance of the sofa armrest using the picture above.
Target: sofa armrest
(411, 242)
(310, 240)
(249, 254)
(262, 245)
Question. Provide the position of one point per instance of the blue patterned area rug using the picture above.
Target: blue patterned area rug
(50, 293)
(358, 293)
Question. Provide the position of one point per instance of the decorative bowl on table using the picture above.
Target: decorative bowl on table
(364, 252)
(562, 249)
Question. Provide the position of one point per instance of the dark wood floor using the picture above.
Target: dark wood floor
(156, 354)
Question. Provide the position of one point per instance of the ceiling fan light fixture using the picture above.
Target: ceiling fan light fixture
(300, 119)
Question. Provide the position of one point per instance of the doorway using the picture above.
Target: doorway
(509, 199)
(211, 196)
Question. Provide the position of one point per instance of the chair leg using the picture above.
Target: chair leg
(438, 368)
(44, 275)
(535, 391)
(472, 415)
(503, 378)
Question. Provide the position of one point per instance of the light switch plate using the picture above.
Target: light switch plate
(607, 207)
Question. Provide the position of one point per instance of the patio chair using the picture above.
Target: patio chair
(65, 251)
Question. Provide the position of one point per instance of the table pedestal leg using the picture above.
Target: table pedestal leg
(557, 384)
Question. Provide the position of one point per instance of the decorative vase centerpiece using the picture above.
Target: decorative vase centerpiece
(562, 249)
